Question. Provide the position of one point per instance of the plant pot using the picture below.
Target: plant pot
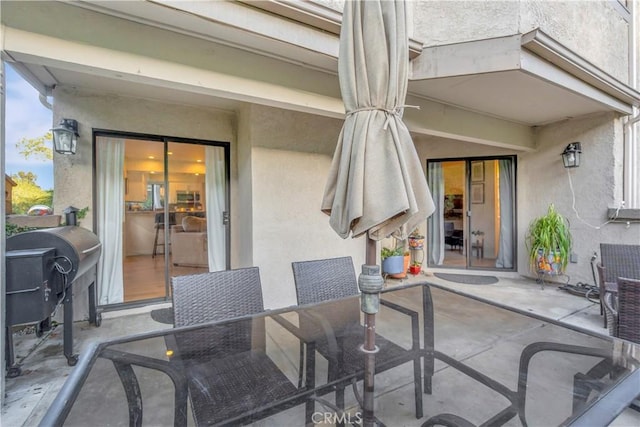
(415, 269)
(405, 266)
(549, 262)
(416, 242)
(393, 264)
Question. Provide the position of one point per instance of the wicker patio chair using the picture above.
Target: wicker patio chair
(618, 260)
(230, 376)
(604, 287)
(334, 278)
(624, 310)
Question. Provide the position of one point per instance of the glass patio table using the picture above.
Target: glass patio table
(481, 364)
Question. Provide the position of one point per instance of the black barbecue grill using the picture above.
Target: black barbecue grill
(42, 267)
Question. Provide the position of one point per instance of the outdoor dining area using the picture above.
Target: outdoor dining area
(442, 358)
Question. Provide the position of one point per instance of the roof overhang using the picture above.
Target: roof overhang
(527, 78)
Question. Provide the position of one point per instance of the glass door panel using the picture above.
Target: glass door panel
(473, 225)
(162, 212)
(483, 206)
(197, 195)
(453, 174)
(144, 228)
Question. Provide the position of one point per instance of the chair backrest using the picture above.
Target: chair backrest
(448, 228)
(629, 309)
(620, 261)
(219, 295)
(324, 279)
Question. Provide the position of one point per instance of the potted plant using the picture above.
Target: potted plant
(416, 240)
(406, 260)
(392, 260)
(549, 243)
(415, 267)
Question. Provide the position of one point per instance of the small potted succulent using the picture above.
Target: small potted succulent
(415, 267)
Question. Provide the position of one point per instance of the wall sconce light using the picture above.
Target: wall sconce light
(65, 136)
(571, 155)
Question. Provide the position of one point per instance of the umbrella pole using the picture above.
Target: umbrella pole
(370, 283)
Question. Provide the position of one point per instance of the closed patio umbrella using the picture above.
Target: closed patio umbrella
(376, 185)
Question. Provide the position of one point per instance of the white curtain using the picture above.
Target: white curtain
(505, 242)
(435, 225)
(158, 192)
(215, 188)
(110, 215)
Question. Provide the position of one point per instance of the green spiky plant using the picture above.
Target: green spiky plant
(549, 235)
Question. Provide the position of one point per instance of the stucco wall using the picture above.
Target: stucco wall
(542, 180)
(569, 22)
(433, 148)
(290, 160)
(288, 224)
(73, 174)
(596, 184)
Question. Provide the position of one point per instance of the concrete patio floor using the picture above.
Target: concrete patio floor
(45, 369)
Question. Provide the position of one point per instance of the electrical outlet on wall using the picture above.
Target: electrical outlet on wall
(573, 258)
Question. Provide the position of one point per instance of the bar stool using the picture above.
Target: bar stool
(159, 225)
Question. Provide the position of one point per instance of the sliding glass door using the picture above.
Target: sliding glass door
(162, 211)
(474, 223)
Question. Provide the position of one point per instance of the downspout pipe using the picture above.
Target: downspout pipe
(45, 102)
(631, 190)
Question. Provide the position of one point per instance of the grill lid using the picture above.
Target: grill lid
(79, 246)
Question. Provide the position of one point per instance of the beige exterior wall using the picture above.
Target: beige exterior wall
(73, 175)
(570, 22)
(280, 160)
(290, 160)
(596, 185)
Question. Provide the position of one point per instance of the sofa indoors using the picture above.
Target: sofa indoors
(189, 243)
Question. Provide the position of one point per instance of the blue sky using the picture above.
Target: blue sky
(25, 117)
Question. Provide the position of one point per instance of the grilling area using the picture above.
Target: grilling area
(45, 367)
(44, 269)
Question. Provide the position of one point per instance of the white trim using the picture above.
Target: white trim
(564, 58)
(26, 47)
(534, 53)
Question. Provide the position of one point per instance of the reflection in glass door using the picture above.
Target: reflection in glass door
(473, 226)
(162, 212)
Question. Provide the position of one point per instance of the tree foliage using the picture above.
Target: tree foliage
(27, 193)
(36, 148)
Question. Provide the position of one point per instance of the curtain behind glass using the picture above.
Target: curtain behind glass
(110, 216)
(435, 225)
(505, 242)
(215, 187)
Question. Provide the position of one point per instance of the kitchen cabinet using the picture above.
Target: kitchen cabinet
(135, 187)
